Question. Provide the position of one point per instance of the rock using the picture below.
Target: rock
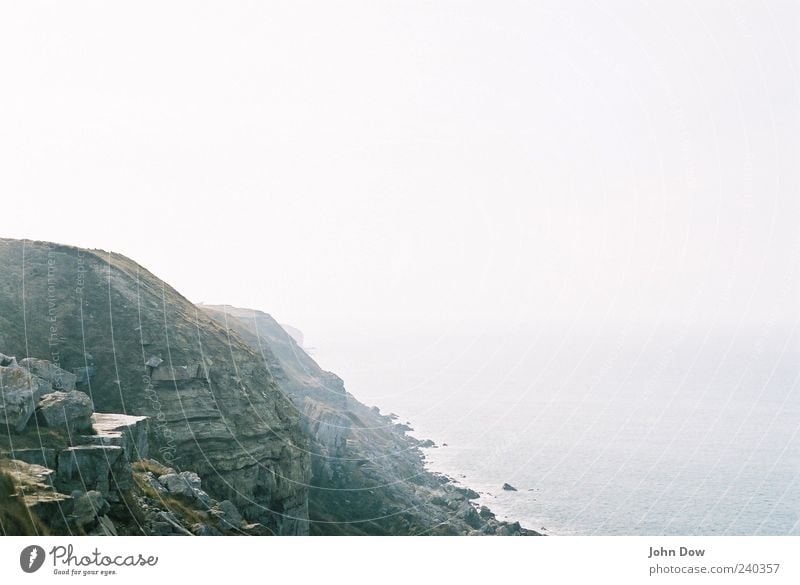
(83, 375)
(92, 467)
(153, 483)
(186, 484)
(486, 513)
(161, 528)
(176, 373)
(176, 485)
(88, 507)
(50, 372)
(105, 527)
(439, 501)
(509, 488)
(200, 529)
(126, 431)
(70, 410)
(509, 529)
(158, 467)
(34, 486)
(228, 514)
(153, 361)
(470, 516)
(40, 456)
(176, 526)
(20, 391)
(6, 360)
(468, 493)
(256, 529)
(427, 444)
(203, 499)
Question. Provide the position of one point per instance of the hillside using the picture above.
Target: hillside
(214, 407)
(368, 476)
(190, 419)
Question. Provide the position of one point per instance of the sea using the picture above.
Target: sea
(601, 430)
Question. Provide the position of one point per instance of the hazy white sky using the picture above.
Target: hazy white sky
(397, 164)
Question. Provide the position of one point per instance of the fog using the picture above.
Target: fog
(378, 168)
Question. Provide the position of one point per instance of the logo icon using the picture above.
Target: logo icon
(31, 558)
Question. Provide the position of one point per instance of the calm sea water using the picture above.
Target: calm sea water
(619, 431)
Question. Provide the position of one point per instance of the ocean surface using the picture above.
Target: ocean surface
(613, 431)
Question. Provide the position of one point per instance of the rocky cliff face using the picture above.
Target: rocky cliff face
(368, 476)
(129, 410)
(135, 346)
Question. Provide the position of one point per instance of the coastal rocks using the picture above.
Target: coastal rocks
(92, 467)
(88, 507)
(509, 488)
(58, 378)
(227, 513)
(176, 373)
(44, 456)
(186, 484)
(233, 439)
(20, 392)
(177, 485)
(33, 488)
(200, 529)
(6, 360)
(70, 410)
(122, 430)
(513, 529)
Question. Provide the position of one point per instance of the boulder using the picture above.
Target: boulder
(470, 516)
(506, 529)
(509, 488)
(48, 371)
(88, 507)
(153, 361)
(70, 410)
(200, 529)
(228, 514)
(181, 484)
(126, 431)
(154, 484)
(203, 499)
(20, 391)
(256, 529)
(93, 467)
(6, 360)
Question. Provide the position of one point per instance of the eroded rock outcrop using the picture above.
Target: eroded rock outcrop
(59, 379)
(68, 410)
(20, 391)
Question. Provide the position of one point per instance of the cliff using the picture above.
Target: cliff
(189, 419)
(367, 475)
(137, 347)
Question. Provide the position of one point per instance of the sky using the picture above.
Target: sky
(391, 166)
